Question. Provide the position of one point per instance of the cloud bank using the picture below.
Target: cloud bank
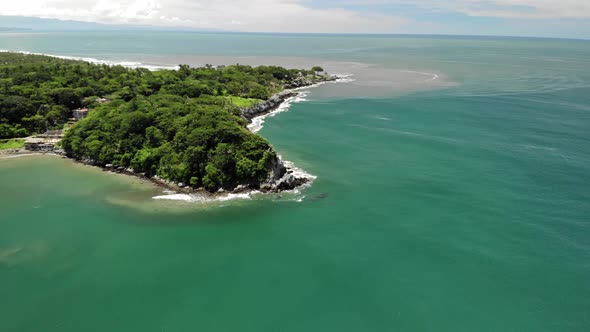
(236, 15)
(525, 9)
(320, 16)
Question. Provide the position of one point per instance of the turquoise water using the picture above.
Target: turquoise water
(443, 207)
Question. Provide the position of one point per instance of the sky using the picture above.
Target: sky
(541, 18)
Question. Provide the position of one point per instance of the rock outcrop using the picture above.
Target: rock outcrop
(282, 178)
(267, 106)
(277, 170)
(276, 100)
(302, 81)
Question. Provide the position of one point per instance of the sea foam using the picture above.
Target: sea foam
(203, 198)
(127, 64)
(303, 92)
(432, 78)
(258, 122)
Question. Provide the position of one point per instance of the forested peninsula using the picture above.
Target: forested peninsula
(186, 128)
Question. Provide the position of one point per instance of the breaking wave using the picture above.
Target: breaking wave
(203, 198)
(127, 64)
(258, 122)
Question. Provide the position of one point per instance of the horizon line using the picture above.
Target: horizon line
(320, 34)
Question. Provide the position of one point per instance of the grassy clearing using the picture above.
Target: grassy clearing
(6, 144)
(243, 102)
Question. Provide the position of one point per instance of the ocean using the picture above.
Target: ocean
(452, 193)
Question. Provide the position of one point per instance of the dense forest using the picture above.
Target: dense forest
(183, 125)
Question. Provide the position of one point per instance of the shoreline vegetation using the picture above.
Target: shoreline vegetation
(11, 144)
(179, 129)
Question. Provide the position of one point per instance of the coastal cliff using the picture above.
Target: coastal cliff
(283, 177)
(267, 106)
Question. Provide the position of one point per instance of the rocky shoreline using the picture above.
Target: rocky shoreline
(281, 178)
(267, 106)
(12, 153)
(278, 99)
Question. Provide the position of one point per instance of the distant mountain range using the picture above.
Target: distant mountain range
(13, 29)
(21, 23)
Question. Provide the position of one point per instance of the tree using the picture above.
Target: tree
(317, 69)
(35, 123)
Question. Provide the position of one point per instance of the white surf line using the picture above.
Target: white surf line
(258, 122)
(127, 64)
(203, 198)
(434, 76)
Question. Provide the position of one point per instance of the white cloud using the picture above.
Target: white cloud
(537, 9)
(238, 15)
(288, 15)
(530, 9)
